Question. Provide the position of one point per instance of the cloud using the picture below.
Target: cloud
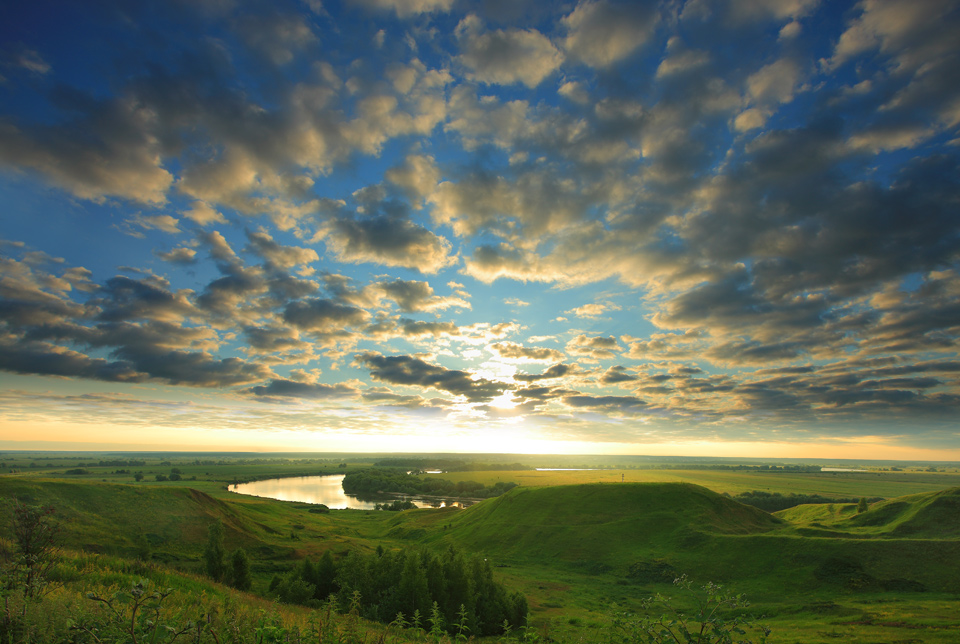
(411, 371)
(182, 255)
(603, 33)
(383, 396)
(278, 255)
(390, 242)
(536, 200)
(323, 315)
(556, 371)
(595, 348)
(163, 223)
(515, 352)
(910, 33)
(605, 403)
(413, 296)
(418, 176)
(594, 310)
(276, 37)
(407, 8)
(107, 151)
(33, 62)
(124, 298)
(616, 375)
(505, 57)
(281, 388)
(202, 214)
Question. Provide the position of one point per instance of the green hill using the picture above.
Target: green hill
(929, 515)
(646, 532)
(110, 518)
(593, 526)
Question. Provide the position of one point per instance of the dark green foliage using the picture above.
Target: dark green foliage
(214, 553)
(326, 579)
(138, 477)
(774, 501)
(371, 482)
(240, 570)
(26, 570)
(35, 549)
(646, 572)
(142, 544)
(846, 572)
(77, 470)
(862, 505)
(396, 506)
(383, 584)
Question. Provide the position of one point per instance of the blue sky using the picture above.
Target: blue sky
(692, 227)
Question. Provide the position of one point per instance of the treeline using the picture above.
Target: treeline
(774, 501)
(449, 592)
(114, 463)
(371, 482)
(742, 468)
(449, 465)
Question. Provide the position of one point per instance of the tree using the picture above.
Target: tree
(36, 548)
(240, 570)
(138, 477)
(214, 553)
(326, 576)
(862, 505)
(413, 590)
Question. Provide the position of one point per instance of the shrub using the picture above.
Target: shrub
(715, 618)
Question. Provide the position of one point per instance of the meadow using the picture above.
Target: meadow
(585, 546)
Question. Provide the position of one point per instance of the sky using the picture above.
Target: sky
(726, 228)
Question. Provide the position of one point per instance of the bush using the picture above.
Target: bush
(713, 617)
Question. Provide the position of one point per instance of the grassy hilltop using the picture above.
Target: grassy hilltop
(579, 552)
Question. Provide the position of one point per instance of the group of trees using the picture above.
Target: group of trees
(450, 590)
(371, 482)
(233, 570)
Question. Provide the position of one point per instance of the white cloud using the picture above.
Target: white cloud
(602, 33)
(505, 57)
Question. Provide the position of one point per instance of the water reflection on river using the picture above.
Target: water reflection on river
(327, 490)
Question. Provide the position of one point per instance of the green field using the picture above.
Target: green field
(581, 545)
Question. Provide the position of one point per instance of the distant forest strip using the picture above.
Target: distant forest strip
(774, 501)
(449, 465)
(376, 481)
(807, 469)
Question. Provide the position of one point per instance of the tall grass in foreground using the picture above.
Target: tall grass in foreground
(96, 599)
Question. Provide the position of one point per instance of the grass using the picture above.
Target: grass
(576, 547)
(836, 484)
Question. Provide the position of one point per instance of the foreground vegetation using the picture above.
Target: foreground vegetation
(589, 559)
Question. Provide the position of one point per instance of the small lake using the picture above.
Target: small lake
(327, 490)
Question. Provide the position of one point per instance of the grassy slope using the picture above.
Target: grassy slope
(932, 515)
(546, 535)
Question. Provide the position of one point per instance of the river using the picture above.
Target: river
(327, 489)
